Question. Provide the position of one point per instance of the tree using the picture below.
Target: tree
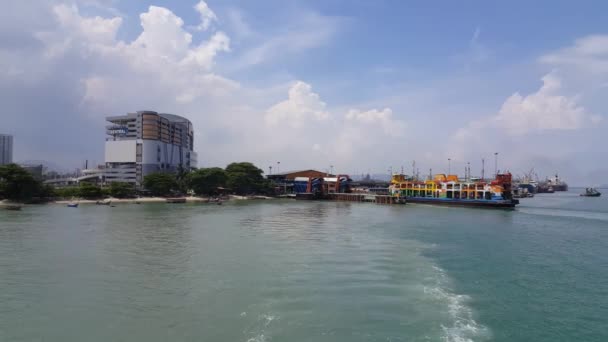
(17, 184)
(88, 190)
(182, 178)
(67, 192)
(47, 191)
(245, 178)
(122, 190)
(206, 181)
(160, 184)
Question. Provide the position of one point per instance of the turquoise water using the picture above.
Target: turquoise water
(306, 271)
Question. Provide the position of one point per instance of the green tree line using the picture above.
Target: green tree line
(242, 178)
(16, 184)
(91, 191)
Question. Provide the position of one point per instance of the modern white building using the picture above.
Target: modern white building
(145, 142)
(6, 149)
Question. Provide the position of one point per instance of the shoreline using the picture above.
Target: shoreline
(189, 199)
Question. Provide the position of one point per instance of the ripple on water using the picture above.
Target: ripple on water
(264, 272)
(592, 215)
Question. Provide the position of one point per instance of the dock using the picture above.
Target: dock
(354, 197)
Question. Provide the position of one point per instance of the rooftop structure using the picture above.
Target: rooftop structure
(291, 175)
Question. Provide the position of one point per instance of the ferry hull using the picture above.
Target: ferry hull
(505, 204)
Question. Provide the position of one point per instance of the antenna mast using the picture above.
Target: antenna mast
(413, 169)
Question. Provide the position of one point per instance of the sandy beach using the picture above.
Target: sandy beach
(189, 199)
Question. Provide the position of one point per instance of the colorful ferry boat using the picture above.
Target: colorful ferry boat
(449, 190)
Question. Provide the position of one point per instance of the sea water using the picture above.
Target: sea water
(256, 271)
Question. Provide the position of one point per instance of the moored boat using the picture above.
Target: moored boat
(73, 205)
(449, 190)
(591, 192)
(545, 189)
(521, 192)
(557, 184)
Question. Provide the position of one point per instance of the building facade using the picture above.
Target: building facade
(6, 149)
(285, 182)
(144, 142)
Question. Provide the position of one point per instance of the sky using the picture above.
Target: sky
(356, 86)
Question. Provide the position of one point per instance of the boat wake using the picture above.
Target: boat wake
(462, 326)
(259, 328)
(259, 338)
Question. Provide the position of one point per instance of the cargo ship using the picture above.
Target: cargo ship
(557, 184)
(449, 190)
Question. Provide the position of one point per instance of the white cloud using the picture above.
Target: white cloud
(204, 54)
(374, 119)
(588, 53)
(162, 35)
(96, 29)
(476, 53)
(162, 69)
(301, 105)
(96, 89)
(306, 31)
(163, 52)
(74, 29)
(302, 126)
(207, 15)
(544, 110)
(163, 40)
(238, 24)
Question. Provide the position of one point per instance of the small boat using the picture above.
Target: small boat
(73, 205)
(103, 202)
(591, 192)
(14, 207)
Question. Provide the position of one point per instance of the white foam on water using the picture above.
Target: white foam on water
(258, 338)
(268, 319)
(462, 326)
(259, 330)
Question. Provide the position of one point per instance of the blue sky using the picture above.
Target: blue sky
(362, 85)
